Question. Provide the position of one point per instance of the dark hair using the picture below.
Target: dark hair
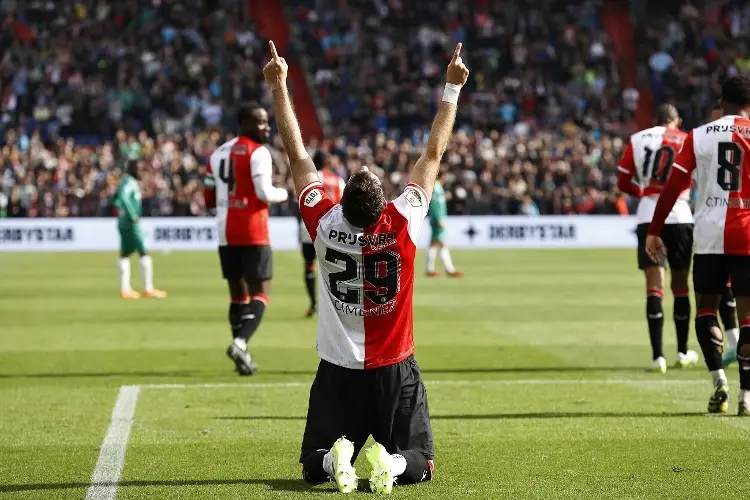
(736, 91)
(363, 200)
(131, 166)
(320, 159)
(666, 113)
(245, 112)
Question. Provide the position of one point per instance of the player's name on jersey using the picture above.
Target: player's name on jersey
(534, 231)
(375, 241)
(37, 234)
(356, 310)
(719, 201)
(735, 129)
(184, 233)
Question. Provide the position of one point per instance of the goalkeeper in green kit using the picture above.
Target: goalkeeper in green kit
(128, 204)
(438, 214)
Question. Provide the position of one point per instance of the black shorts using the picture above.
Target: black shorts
(711, 271)
(253, 263)
(389, 403)
(678, 238)
(308, 252)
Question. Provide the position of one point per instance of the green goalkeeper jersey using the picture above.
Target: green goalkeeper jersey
(438, 205)
(128, 201)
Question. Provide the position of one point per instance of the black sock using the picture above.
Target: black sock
(681, 312)
(728, 309)
(251, 320)
(310, 284)
(743, 357)
(706, 329)
(236, 311)
(418, 468)
(312, 468)
(655, 317)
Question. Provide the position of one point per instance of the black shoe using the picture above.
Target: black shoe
(312, 311)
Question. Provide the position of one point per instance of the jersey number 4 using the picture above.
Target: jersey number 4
(227, 174)
(381, 276)
(658, 163)
(730, 163)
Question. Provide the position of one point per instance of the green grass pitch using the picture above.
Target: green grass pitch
(533, 364)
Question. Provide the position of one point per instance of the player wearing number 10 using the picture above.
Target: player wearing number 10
(239, 185)
(642, 172)
(717, 155)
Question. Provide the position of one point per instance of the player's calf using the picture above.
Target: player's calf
(743, 358)
(655, 319)
(728, 312)
(405, 467)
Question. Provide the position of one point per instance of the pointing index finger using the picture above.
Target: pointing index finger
(457, 52)
(274, 54)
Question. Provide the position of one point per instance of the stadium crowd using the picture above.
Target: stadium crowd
(86, 85)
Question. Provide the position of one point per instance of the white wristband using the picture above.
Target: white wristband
(450, 94)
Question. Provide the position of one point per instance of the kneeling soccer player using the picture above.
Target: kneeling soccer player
(368, 382)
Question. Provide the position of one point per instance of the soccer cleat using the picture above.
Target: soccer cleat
(341, 462)
(155, 293)
(729, 357)
(456, 274)
(312, 311)
(130, 294)
(743, 410)
(381, 478)
(718, 401)
(659, 365)
(243, 362)
(690, 358)
(433, 274)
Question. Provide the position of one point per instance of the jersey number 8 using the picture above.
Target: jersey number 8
(381, 272)
(730, 161)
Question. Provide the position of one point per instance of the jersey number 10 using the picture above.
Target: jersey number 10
(657, 164)
(227, 174)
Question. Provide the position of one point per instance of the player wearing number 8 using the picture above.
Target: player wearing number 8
(717, 156)
(238, 185)
(643, 170)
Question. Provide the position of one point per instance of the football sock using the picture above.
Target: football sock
(310, 283)
(123, 267)
(417, 468)
(719, 377)
(431, 259)
(710, 339)
(254, 313)
(743, 355)
(445, 257)
(313, 467)
(147, 272)
(237, 308)
(728, 312)
(681, 314)
(655, 317)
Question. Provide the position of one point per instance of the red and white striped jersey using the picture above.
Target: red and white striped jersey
(647, 159)
(236, 167)
(717, 156)
(333, 185)
(365, 278)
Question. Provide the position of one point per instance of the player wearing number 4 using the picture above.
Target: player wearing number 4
(238, 185)
(717, 155)
(368, 382)
(643, 170)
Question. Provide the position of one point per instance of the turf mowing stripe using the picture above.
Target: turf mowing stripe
(480, 382)
(106, 476)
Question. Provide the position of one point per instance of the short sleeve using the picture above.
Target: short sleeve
(686, 157)
(627, 164)
(413, 205)
(208, 179)
(314, 203)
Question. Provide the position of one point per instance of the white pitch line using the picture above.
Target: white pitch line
(478, 382)
(106, 476)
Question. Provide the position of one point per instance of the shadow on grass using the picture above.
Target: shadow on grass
(509, 416)
(445, 371)
(272, 484)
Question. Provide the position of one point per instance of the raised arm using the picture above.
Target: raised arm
(426, 169)
(303, 169)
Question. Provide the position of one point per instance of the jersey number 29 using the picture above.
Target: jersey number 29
(381, 272)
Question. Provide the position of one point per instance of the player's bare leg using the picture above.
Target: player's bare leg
(728, 313)
(655, 317)
(239, 313)
(681, 315)
(123, 269)
(432, 253)
(147, 274)
(711, 341)
(743, 355)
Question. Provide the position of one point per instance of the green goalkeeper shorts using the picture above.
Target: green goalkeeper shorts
(438, 233)
(131, 239)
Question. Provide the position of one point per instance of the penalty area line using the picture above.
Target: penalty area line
(106, 476)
